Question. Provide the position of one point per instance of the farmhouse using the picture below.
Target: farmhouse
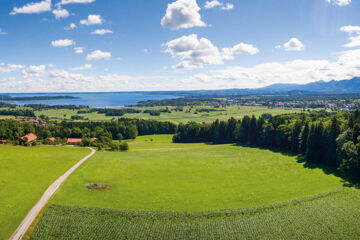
(52, 139)
(74, 140)
(3, 141)
(30, 138)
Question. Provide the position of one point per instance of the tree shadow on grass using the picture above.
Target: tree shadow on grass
(347, 180)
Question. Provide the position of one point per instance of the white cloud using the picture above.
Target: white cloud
(354, 40)
(182, 14)
(61, 13)
(44, 79)
(64, 2)
(294, 44)
(350, 29)
(146, 50)
(8, 68)
(79, 50)
(70, 27)
(98, 55)
(101, 31)
(33, 7)
(228, 6)
(92, 20)
(212, 4)
(339, 2)
(62, 43)
(2, 33)
(196, 53)
(193, 52)
(240, 48)
(34, 71)
(81, 68)
(298, 71)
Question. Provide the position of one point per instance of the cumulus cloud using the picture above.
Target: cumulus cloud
(33, 7)
(2, 33)
(182, 14)
(62, 43)
(354, 35)
(92, 20)
(339, 2)
(212, 4)
(34, 71)
(196, 53)
(294, 44)
(70, 27)
(79, 50)
(350, 29)
(101, 31)
(228, 6)
(354, 42)
(38, 78)
(241, 48)
(98, 55)
(8, 68)
(65, 2)
(81, 68)
(193, 52)
(61, 13)
(346, 66)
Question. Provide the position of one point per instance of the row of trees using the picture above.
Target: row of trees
(104, 131)
(323, 138)
(17, 112)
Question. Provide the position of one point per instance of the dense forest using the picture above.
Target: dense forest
(17, 112)
(331, 139)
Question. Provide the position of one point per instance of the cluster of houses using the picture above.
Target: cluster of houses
(31, 138)
(37, 121)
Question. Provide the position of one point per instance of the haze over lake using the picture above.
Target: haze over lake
(118, 99)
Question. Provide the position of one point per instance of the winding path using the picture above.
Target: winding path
(30, 217)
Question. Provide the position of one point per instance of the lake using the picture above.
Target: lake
(119, 99)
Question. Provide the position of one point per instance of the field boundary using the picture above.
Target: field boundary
(31, 216)
(228, 213)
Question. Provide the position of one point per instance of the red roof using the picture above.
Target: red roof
(30, 137)
(74, 140)
(93, 139)
(4, 119)
(3, 141)
(52, 139)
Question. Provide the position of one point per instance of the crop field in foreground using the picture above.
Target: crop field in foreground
(333, 215)
(184, 116)
(159, 175)
(26, 173)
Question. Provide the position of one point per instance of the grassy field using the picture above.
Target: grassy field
(184, 116)
(25, 175)
(160, 175)
(334, 215)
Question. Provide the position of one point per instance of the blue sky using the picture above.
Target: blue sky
(173, 45)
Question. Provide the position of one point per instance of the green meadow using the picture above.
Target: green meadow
(158, 175)
(333, 215)
(189, 114)
(25, 175)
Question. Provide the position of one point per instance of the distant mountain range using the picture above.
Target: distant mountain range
(344, 86)
(321, 87)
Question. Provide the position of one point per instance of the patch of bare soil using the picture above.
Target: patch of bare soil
(97, 186)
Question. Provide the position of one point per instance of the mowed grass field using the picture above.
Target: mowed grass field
(180, 117)
(333, 215)
(25, 173)
(159, 175)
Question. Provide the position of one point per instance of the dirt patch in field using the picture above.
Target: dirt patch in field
(97, 186)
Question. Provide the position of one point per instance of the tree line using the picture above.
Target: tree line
(331, 139)
(118, 129)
